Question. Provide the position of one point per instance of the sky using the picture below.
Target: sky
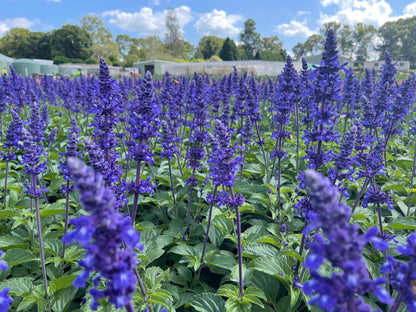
(292, 21)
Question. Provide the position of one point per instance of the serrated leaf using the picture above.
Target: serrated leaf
(275, 266)
(236, 305)
(403, 224)
(184, 250)
(9, 241)
(18, 256)
(7, 214)
(18, 285)
(259, 250)
(61, 283)
(207, 302)
(222, 259)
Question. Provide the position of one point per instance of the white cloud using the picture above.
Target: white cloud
(147, 22)
(410, 10)
(218, 23)
(7, 24)
(294, 29)
(370, 12)
(53, 0)
(155, 2)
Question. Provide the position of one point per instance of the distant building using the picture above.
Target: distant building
(316, 60)
(262, 68)
(5, 62)
(153, 66)
(376, 65)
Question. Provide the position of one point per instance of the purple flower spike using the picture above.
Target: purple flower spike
(107, 236)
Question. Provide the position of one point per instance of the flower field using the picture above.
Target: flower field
(232, 193)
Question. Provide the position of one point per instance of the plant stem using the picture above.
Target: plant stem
(171, 182)
(39, 228)
(208, 223)
(409, 205)
(240, 252)
(66, 216)
(136, 195)
(5, 182)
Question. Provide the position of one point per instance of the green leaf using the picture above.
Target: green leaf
(228, 290)
(64, 298)
(9, 241)
(184, 250)
(19, 286)
(268, 284)
(403, 224)
(18, 256)
(51, 209)
(259, 250)
(207, 302)
(236, 305)
(61, 283)
(275, 266)
(52, 245)
(7, 214)
(222, 259)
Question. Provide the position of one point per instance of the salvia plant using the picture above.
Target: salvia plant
(288, 193)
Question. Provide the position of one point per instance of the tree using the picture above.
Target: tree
(314, 44)
(299, 51)
(209, 46)
(327, 26)
(124, 42)
(151, 47)
(250, 38)
(271, 49)
(346, 41)
(72, 42)
(15, 43)
(174, 39)
(228, 50)
(102, 39)
(363, 36)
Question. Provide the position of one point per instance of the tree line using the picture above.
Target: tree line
(363, 42)
(92, 38)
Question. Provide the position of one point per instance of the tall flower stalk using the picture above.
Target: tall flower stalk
(224, 166)
(108, 237)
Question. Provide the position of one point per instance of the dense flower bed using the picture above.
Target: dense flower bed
(231, 193)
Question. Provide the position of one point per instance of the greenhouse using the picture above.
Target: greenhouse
(262, 68)
(5, 62)
(26, 67)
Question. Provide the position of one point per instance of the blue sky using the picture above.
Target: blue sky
(292, 21)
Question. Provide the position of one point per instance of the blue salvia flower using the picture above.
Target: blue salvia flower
(17, 89)
(168, 139)
(198, 125)
(223, 163)
(13, 135)
(107, 236)
(377, 196)
(306, 94)
(49, 88)
(403, 275)
(284, 101)
(343, 162)
(5, 299)
(385, 90)
(342, 248)
(327, 85)
(36, 124)
(32, 154)
(71, 152)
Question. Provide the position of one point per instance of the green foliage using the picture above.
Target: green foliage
(72, 42)
(228, 50)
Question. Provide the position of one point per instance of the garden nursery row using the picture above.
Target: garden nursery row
(209, 194)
